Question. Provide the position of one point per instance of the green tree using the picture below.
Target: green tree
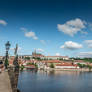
(38, 58)
(52, 65)
(88, 60)
(6, 63)
(80, 65)
(36, 65)
(84, 66)
(22, 67)
(61, 59)
(30, 63)
(27, 58)
(90, 67)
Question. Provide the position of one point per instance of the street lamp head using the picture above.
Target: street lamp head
(7, 46)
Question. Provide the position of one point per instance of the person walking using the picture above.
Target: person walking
(1, 66)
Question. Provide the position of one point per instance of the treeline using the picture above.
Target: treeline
(84, 66)
(84, 59)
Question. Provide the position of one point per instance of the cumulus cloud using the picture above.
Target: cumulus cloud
(71, 45)
(40, 50)
(57, 54)
(85, 54)
(89, 43)
(3, 22)
(72, 27)
(29, 34)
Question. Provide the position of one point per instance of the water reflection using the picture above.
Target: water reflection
(55, 81)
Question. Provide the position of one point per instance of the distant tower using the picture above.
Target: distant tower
(34, 53)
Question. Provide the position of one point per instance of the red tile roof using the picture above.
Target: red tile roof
(30, 66)
(66, 64)
(52, 61)
(59, 56)
(79, 60)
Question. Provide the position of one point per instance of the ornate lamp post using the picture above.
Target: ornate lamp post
(7, 45)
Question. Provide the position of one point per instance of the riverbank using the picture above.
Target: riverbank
(83, 69)
(5, 85)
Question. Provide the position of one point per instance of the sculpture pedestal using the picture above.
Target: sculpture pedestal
(13, 78)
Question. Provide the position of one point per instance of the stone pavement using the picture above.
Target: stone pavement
(5, 82)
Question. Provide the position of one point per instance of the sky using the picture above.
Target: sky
(51, 27)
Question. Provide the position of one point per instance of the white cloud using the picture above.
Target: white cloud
(89, 43)
(29, 34)
(43, 41)
(72, 27)
(78, 23)
(2, 22)
(71, 45)
(57, 54)
(40, 50)
(85, 54)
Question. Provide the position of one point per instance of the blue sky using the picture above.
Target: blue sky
(52, 27)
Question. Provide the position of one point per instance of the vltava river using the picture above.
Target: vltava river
(55, 81)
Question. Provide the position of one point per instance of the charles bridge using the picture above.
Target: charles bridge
(9, 77)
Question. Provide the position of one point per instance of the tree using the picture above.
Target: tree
(88, 60)
(27, 58)
(90, 67)
(36, 65)
(22, 67)
(6, 63)
(84, 66)
(52, 65)
(61, 59)
(38, 58)
(80, 65)
(30, 64)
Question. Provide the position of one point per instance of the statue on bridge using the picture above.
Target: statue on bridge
(15, 62)
(16, 69)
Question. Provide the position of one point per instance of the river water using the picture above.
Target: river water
(55, 81)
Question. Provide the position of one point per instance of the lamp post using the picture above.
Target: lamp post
(7, 45)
